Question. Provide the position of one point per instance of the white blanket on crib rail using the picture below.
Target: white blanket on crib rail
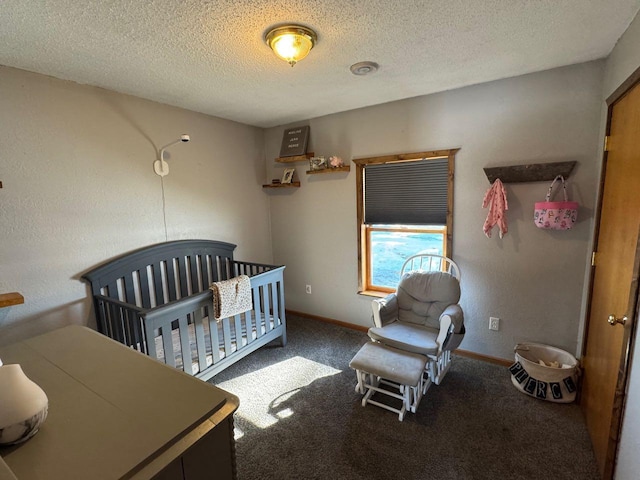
(231, 297)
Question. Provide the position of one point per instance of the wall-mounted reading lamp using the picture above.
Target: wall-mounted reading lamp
(160, 166)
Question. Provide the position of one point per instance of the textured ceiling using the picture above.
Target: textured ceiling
(210, 57)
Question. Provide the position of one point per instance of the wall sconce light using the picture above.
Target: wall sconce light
(291, 42)
(160, 166)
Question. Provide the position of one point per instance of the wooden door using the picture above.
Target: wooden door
(614, 287)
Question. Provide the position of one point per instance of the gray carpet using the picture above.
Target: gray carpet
(300, 418)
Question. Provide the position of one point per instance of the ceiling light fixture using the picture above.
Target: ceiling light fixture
(291, 42)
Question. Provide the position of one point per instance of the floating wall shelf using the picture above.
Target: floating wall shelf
(346, 168)
(534, 172)
(282, 185)
(9, 299)
(296, 158)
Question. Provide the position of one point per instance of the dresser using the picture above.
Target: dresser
(117, 414)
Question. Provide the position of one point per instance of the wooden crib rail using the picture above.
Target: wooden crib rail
(249, 268)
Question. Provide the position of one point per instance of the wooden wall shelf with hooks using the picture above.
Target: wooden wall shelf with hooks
(533, 172)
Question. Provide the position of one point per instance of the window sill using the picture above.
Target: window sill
(373, 293)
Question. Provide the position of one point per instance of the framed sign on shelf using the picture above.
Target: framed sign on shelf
(294, 141)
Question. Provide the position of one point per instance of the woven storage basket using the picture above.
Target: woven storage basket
(554, 384)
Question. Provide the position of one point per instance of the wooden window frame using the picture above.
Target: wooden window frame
(363, 238)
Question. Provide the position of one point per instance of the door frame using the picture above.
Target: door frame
(628, 343)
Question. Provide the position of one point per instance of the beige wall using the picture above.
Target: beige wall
(79, 188)
(532, 279)
(623, 61)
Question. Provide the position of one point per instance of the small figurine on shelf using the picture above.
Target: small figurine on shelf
(335, 162)
(317, 163)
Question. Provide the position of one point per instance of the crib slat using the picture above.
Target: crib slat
(167, 345)
(226, 333)
(257, 308)
(112, 291)
(171, 280)
(238, 327)
(215, 268)
(203, 271)
(193, 273)
(201, 346)
(248, 333)
(144, 288)
(215, 339)
(185, 348)
(225, 268)
(102, 318)
(129, 289)
(151, 342)
(274, 304)
(127, 329)
(156, 271)
(108, 314)
(116, 323)
(142, 335)
(137, 333)
(282, 322)
(267, 308)
(182, 272)
(212, 271)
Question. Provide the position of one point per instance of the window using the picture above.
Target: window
(404, 207)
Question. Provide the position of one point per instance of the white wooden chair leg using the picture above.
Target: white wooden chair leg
(359, 386)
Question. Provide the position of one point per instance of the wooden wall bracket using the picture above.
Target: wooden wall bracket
(534, 172)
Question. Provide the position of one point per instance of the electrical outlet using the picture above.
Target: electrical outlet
(494, 323)
(308, 289)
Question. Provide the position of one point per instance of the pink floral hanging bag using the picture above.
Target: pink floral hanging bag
(556, 215)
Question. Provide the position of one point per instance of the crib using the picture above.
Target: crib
(157, 300)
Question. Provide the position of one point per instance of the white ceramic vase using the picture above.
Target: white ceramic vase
(23, 405)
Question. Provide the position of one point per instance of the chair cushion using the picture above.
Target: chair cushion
(390, 363)
(408, 337)
(423, 296)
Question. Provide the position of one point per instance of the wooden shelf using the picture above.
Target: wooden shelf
(534, 172)
(282, 185)
(346, 168)
(9, 299)
(297, 158)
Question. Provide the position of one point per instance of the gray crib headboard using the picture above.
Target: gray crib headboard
(162, 273)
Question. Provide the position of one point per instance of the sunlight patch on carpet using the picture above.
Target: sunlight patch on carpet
(266, 393)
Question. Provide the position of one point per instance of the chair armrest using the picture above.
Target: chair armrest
(451, 322)
(385, 310)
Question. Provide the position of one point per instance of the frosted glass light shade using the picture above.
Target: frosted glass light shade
(291, 43)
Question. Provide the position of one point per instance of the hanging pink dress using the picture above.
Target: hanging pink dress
(496, 199)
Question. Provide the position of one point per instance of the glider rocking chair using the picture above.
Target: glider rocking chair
(416, 328)
(423, 315)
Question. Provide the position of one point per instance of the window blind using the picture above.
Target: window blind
(406, 193)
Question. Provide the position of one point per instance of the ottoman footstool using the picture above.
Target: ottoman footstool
(377, 364)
